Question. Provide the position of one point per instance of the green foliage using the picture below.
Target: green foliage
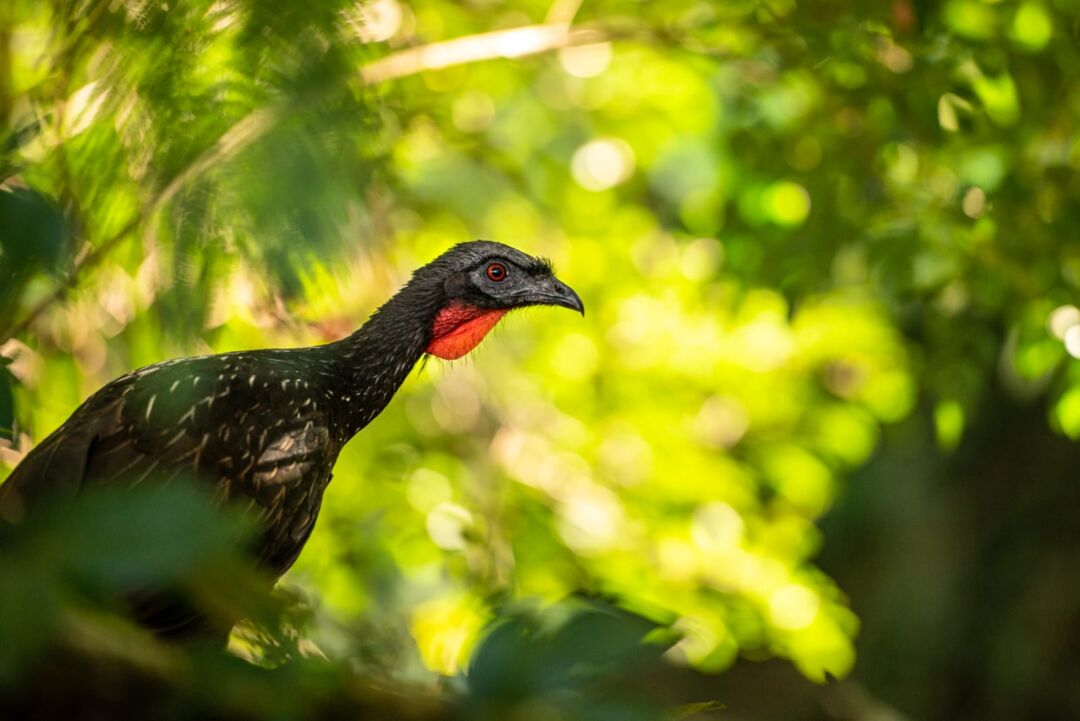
(557, 663)
(795, 227)
(66, 571)
(71, 556)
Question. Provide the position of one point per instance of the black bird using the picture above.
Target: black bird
(265, 427)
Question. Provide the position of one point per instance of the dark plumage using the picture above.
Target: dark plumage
(265, 427)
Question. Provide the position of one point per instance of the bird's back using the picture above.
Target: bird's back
(255, 427)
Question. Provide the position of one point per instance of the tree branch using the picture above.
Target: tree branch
(510, 43)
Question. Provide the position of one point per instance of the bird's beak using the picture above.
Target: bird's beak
(552, 291)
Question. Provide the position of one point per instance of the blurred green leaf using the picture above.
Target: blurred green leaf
(555, 658)
(34, 238)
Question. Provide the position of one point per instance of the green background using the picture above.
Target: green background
(818, 415)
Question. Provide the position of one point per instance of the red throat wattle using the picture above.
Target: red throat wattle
(460, 327)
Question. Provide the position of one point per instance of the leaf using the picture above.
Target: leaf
(565, 656)
(34, 238)
(128, 538)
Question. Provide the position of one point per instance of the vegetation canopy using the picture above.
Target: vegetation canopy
(818, 422)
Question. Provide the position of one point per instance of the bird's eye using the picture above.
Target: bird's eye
(496, 272)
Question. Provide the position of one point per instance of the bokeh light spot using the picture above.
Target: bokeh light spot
(974, 202)
(701, 258)
(585, 61)
(971, 18)
(717, 527)
(1067, 412)
(948, 424)
(1072, 341)
(589, 519)
(1061, 319)
(1032, 27)
(447, 524)
(602, 164)
(787, 203)
(377, 20)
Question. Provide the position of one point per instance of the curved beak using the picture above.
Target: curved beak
(552, 291)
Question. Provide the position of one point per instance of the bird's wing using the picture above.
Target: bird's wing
(56, 466)
(291, 474)
(251, 435)
(205, 417)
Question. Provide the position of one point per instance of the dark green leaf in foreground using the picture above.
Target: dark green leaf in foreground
(95, 550)
(34, 238)
(568, 659)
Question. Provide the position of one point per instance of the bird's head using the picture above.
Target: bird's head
(477, 283)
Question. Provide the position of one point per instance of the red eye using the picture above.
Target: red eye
(496, 272)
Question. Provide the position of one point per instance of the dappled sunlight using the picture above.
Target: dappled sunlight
(804, 237)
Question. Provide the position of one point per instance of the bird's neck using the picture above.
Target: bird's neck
(372, 363)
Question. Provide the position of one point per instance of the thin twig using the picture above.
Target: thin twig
(510, 43)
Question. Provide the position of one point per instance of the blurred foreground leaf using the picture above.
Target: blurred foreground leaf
(566, 662)
(34, 239)
(100, 549)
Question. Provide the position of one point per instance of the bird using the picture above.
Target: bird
(263, 428)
